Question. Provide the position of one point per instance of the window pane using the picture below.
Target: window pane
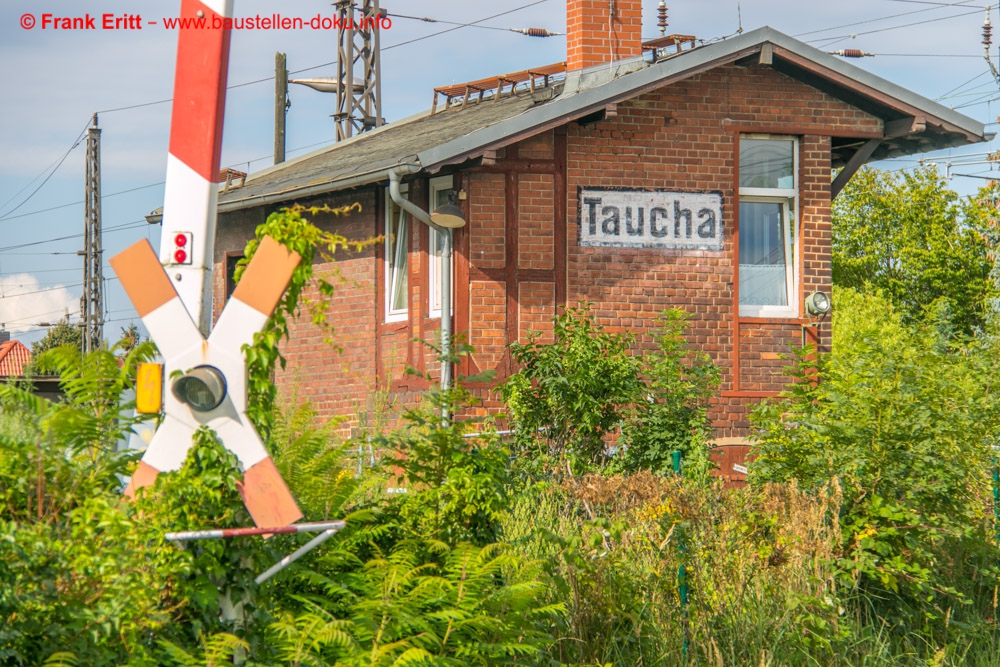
(763, 254)
(437, 250)
(766, 163)
(397, 256)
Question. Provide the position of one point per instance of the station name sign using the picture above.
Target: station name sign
(651, 219)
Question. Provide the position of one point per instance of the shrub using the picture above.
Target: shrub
(904, 419)
(569, 394)
(673, 417)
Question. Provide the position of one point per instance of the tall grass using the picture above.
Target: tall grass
(759, 567)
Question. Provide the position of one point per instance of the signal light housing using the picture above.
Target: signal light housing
(203, 388)
(181, 252)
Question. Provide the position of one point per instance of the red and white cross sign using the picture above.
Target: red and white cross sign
(175, 305)
(184, 348)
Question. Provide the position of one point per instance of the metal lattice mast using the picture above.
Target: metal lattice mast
(92, 301)
(359, 95)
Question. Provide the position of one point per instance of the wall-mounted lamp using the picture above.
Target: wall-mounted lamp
(818, 304)
(448, 216)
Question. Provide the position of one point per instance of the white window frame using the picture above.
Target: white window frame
(436, 186)
(789, 198)
(392, 246)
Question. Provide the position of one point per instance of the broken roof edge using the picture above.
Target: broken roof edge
(679, 66)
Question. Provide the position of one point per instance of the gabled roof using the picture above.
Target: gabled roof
(14, 356)
(429, 142)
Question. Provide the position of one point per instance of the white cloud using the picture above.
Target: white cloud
(25, 302)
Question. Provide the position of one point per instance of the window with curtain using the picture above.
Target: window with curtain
(767, 212)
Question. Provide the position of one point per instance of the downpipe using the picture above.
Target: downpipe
(395, 177)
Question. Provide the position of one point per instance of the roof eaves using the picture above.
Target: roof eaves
(796, 50)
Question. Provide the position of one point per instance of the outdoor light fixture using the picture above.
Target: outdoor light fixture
(448, 216)
(818, 303)
(203, 388)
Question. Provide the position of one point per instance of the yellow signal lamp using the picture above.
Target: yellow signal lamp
(149, 388)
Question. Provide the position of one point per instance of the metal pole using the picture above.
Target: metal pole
(222, 533)
(280, 106)
(996, 499)
(92, 301)
(295, 555)
(424, 217)
(446, 281)
(682, 587)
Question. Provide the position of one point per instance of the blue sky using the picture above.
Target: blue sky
(52, 82)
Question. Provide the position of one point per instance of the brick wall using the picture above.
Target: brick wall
(599, 31)
(337, 382)
(521, 256)
(682, 138)
(685, 138)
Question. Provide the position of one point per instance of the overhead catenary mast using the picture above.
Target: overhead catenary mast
(987, 42)
(359, 93)
(92, 301)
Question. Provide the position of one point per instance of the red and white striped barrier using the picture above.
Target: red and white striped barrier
(225, 533)
(191, 195)
(175, 305)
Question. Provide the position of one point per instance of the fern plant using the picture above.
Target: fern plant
(468, 605)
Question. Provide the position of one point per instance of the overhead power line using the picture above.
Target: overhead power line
(76, 203)
(117, 228)
(58, 163)
(334, 62)
(938, 5)
(531, 32)
(895, 27)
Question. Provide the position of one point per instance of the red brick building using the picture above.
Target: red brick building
(674, 176)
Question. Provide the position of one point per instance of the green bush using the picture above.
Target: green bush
(678, 384)
(569, 394)
(903, 419)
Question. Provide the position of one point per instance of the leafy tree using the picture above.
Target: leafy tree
(902, 421)
(63, 333)
(907, 235)
(129, 337)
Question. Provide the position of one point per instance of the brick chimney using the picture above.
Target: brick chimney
(602, 31)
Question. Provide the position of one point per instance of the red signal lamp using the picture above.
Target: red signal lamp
(181, 248)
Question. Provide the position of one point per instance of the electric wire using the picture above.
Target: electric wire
(109, 230)
(430, 20)
(928, 2)
(76, 203)
(59, 163)
(896, 27)
(963, 3)
(959, 87)
(334, 62)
